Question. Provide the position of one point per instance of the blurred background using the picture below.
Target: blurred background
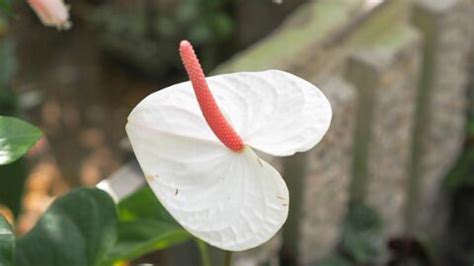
(392, 183)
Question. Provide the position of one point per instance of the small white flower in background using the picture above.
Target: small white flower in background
(52, 13)
(197, 151)
(278, 2)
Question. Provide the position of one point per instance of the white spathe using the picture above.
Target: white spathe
(232, 200)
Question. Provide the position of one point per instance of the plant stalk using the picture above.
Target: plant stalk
(228, 258)
(204, 252)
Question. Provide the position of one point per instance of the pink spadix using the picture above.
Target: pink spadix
(211, 112)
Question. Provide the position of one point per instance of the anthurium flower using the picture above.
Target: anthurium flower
(195, 142)
(52, 13)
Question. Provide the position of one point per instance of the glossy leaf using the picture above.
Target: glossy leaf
(145, 226)
(144, 236)
(78, 229)
(16, 138)
(7, 243)
(143, 205)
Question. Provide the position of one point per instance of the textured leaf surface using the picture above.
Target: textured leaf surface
(78, 229)
(144, 226)
(144, 236)
(16, 138)
(7, 243)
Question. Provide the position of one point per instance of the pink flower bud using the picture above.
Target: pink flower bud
(52, 13)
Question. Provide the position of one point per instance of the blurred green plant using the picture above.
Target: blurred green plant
(334, 260)
(12, 179)
(14, 174)
(458, 243)
(463, 173)
(81, 228)
(6, 6)
(7, 242)
(78, 229)
(361, 231)
(8, 66)
(145, 35)
(204, 21)
(16, 138)
(144, 226)
(84, 228)
(360, 242)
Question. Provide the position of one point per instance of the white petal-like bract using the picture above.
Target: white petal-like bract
(232, 200)
(273, 111)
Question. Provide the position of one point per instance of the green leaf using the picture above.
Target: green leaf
(8, 63)
(361, 232)
(16, 138)
(78, 229)
(222, 26)
(6, 7)
(12, 177)
(145, 226)
(462, 175)
(8, 100)
(143, 204)
(141, 237)
(7, 243)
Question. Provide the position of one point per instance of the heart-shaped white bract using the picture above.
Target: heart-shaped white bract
(232, 200)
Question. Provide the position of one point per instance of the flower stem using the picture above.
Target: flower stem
(228, 258)
(204, 252)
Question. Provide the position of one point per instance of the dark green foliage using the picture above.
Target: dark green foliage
(16, 138)
(361, 233)
(142, 237)
(12, 179)
(83, 228)
(6, 6)
(7, 101)
(144, 226)
(8, 64)
(12, 176)
(205, 20)
(8, 67)
(463, 173)
(335, 260)
(460, 182)
(146, 36)
(7, 243)
(78, 229)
